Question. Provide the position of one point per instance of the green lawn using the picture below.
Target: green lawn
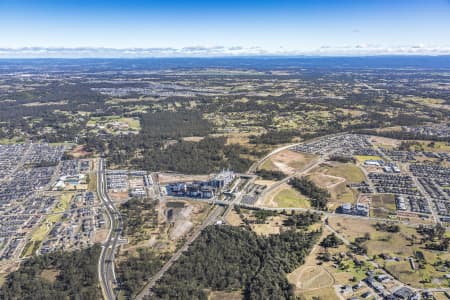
(41, 232)
(363, 158)
(291, 198)
(14, 140)
(350, 172)
(268, 165)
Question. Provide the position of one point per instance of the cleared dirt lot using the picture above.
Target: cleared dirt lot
(233, 218)
(287, 161)
(172, 177)
(311, 277)
(79, 152)
(193, 138)
(100, 235)
(266, 183)
(384, 142)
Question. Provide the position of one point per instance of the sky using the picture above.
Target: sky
(111, 28)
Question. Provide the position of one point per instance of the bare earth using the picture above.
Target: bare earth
(168, 177)
(383, 141)
(289, 161)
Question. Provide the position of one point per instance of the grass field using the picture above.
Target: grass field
(348, 196)
(385, 142)
(420, 278)
(311, 277)
(92, 186)
(233, 218)
(440, 296)
(363, 158)
(350, 172)
(324, 293)
(15, 140)
(430, 272)
(435, 147)
(348, 266)
(383, 206)
(291, 198)
(394, 244)
(272, 226)
(30, 248)
(397, 245)
(268, 165)
(386, 201)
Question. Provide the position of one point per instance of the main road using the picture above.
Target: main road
(106, 272)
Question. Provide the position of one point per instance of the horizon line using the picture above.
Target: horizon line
(364, 50)
(230, 56)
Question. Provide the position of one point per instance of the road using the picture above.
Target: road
(305, 170)
(106, 272)
(212, 217)
(217, 210)
(238, 197)
(254, 167)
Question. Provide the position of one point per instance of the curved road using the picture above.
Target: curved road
(107, 269)
(106, 272)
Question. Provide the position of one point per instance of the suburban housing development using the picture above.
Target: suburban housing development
(282, 179)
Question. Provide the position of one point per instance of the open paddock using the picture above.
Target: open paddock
(286, 196)
(287, 161)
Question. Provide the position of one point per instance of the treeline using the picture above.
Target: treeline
(62, 118)
(138, 213)
(434, 237)
(172, 125)
(74, 277)
(343, 159)
(319, 197)
(159, 146)
(331, 241)
(302, 220)
(387, 227)
(403, 135)
(270, 174)
(134, 272)
(206, 156)
(226, 258)
(274, 137)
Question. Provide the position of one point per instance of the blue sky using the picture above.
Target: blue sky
(284, 27)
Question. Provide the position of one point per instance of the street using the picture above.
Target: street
(106, 272)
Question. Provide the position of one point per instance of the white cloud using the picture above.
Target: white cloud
(214, 51)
